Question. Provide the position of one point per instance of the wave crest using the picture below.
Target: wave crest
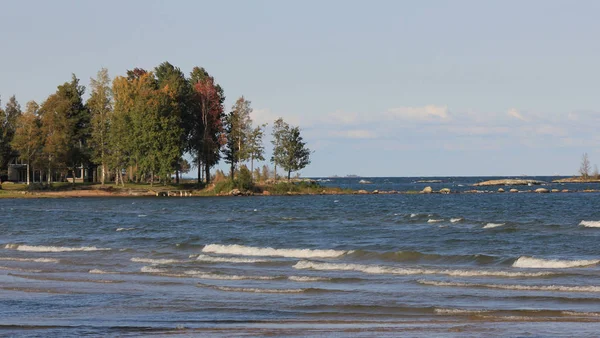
(590, 224)
(539, 263)
(42, 248)
(242, 250)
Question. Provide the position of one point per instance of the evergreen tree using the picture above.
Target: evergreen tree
(9, 121)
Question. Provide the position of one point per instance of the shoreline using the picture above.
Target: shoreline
(124, 193)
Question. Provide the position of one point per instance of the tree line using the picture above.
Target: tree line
(140, 125)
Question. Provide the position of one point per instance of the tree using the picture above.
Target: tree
(207, 133)
(280, 129)
(290, 151)
(595, 173)
(8, 122)
(238, 129)
(57, 131)
(172, 80)
(28, 137)
(100, 106)
(584, 169)
(255, 146)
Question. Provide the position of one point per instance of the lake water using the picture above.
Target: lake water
(462, 265)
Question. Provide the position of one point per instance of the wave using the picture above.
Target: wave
(493, 225)
(150, 269)
(380, 269)
(590, 224)
(125, 229)
(37, 260)
(204, 275)
(308, 279)
(41, 248)
(443, 311)
(432, 220)
(253, 290)
(538, 263)
(455, 220)
(155, 261)
(213, 259)
(242, 250)
(581, 314)
(558, 288)
(416, 256)
(99, 272)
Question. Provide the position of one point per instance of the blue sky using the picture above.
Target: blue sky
(379, 88)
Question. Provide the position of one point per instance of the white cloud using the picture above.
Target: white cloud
(515, 114)
(425, 113)
(260, 116)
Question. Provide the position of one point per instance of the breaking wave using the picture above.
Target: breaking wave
(559, 288)
(538, 263)
(493, 225)
(455, 220)
(204, 275)
(125, 229)
(253, 290)
(380, 269)
(155, 261)
(213, 259)
(590, 224)
(242, 250)
(308, 279)
(41, 248)
(150, 269)
(37, 260)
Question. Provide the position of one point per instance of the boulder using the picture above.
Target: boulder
(375, 192)
(500, 190)
(235, 192)
(555, 190)
(565, 190)
(363, 192)
(514, 190)
(427, 190)
(542, 190)
(445, 191)
(266, 193)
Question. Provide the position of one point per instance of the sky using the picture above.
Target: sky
(378, 88)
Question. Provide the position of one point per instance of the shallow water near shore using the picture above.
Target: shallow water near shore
(361, 265)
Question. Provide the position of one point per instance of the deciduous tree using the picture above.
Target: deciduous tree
(100, 106)
(28, 139)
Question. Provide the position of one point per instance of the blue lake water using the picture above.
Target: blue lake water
(358, 265)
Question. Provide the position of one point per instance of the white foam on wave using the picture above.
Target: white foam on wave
(37, 260)
(252, 290)
(493, 225)
(125, 229)
(413, 215)
(590, 224)
(213, 259)
(443, 311)
(558, 288)
(538, 263)
(242, 250)
(150, 269)
(455, 220)
(155, 261)
(98, 272)
(204, 275)
(42, 248)
(581, 314)
(380, 269)
(431, 220)
(308, 279)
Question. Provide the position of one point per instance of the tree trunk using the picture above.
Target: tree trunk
(27, 173)
(199, 171)
(232, 171)
(103, 173)
(207, 173)
(289, 174)
(177, 175)
(251, 168)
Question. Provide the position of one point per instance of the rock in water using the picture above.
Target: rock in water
(427, 190)
(445, 191)
(514, 190)
(500, 190)
(541, 190)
